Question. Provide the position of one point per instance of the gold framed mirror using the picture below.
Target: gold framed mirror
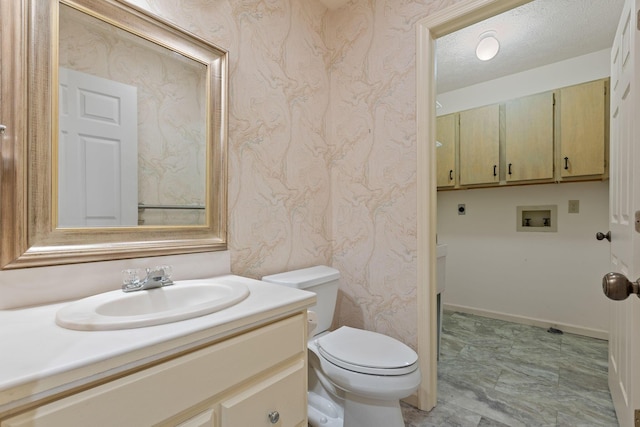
(116, 133)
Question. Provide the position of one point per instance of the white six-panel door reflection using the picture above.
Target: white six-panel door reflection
(97, 152)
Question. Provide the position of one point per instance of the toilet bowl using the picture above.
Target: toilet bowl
(368, 384)
(356, 377)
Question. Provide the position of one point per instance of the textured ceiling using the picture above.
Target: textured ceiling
(532, 35)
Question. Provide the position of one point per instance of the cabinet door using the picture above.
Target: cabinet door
(275, 401)
(582, 129)
(529, 137)
(205, 418)
(157, 395)
(446, 150)
(480, 145)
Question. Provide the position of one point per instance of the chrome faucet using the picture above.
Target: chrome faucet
(156, 277)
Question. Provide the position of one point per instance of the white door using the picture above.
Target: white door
(624, 338)
(97, 152)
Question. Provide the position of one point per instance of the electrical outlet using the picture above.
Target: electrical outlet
(574, 206)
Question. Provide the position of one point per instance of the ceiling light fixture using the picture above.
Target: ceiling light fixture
(488, 46)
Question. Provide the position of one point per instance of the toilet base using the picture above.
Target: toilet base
(358, 412)
(362, 412)
(323, 412)
(332, 406)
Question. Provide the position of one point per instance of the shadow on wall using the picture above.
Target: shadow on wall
(346, 304)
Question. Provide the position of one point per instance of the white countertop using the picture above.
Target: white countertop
(39, 358)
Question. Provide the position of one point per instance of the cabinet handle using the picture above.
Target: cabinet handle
(450, 174)
(495, 168)
(566, 163)
(274, 417)
(510, 168)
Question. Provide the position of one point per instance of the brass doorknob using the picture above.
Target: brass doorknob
(617, 287)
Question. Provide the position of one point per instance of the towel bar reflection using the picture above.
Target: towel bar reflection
(142, 207)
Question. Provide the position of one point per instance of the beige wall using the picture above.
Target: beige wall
(372, 137)
(171, 110)
(322, 144)
(322, 159)
(279, 188)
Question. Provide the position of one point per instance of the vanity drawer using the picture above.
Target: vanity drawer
(157, 394)
(274, 401)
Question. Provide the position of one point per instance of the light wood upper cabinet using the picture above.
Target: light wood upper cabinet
(480, 145)
(446, 127)
(560, 135)
(529, 138)
(582, 129)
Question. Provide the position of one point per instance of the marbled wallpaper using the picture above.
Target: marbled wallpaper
(322, 148)
(372, 138)
(171, 110)
(279, 163)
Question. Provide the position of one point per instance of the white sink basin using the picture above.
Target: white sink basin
(183, 300)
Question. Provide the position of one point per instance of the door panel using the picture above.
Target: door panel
(446, 151)
(624, 201)
(97, 151)
(582, 129)
(480, 145)
(529, 137)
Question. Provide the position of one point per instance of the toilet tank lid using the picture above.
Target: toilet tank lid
(305, 277)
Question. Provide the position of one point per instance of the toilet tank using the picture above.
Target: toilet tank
(321, 280)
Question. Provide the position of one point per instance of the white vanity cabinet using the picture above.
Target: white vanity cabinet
(255, 378)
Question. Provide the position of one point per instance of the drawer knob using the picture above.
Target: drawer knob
(274, 417)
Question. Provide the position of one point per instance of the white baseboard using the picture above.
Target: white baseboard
(571, 329)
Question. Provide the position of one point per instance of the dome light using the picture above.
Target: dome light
(488, 46)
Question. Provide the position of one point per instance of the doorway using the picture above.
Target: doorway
(435, 26)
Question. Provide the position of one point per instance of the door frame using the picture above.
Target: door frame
(453, 18)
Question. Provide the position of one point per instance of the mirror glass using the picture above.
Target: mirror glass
(132, 129)
(116, 137)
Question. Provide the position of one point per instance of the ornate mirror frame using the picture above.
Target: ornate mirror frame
(28, 109)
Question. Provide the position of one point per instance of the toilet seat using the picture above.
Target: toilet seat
(367, 352)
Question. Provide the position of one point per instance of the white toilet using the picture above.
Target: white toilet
(356, 377)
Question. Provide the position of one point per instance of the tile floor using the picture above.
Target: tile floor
(493, 373)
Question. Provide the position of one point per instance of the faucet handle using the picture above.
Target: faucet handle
(132, 278)
(164, 270)
(135, 279)
(160, 274)
(131, 275)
